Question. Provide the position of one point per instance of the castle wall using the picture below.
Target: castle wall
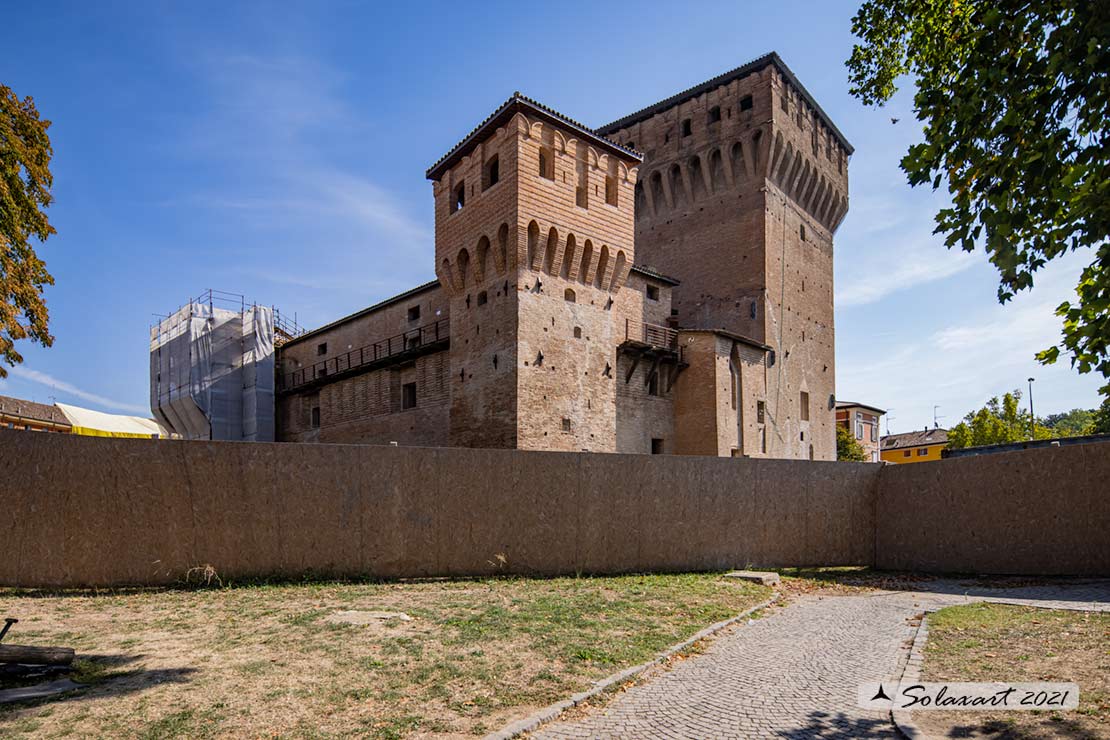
(369, 408)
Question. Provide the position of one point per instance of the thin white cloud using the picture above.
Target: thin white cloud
(897, 268)
(972, 357)
(62, 386)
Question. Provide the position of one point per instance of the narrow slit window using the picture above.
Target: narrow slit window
(611, 190)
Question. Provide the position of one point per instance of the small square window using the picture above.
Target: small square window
(414, 313)
(746, 102)
(906, 453)
(922, 452)
(321, 349)
(687, 129)
(653, 292)
(408, 396)
(656, 446)
(714, 114)
(482, 298)
(566, 425)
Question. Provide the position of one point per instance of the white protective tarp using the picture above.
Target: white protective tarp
(98, 423)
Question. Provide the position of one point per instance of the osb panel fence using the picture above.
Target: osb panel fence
(83, 511)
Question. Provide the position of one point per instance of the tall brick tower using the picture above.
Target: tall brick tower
(534, 243)
(743, 185)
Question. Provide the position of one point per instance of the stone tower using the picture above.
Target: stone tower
(534, 243)
(744, 183)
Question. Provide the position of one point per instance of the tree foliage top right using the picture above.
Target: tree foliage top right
(1014, 98)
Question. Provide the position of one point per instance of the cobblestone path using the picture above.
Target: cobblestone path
(794, 673)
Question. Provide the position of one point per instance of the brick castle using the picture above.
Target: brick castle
(662, 284)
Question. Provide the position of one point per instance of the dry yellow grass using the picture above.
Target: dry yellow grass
(994, 642)
(265, 660)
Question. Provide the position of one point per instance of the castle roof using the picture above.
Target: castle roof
(522, 103)
(651, 272)
(751, 67)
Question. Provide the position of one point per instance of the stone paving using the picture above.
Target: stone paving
(794, 673)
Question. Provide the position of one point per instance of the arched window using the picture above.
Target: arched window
(618, 271)
(533, 243)
(738, 169)
(602, 266)
(568, 296)
(697, 178)
(482, 259)
(459, 199)
(716, 171)
(549, 253)
(678, 187)
(657, 194)
(464, 267)
(568, 257)
(587, 258)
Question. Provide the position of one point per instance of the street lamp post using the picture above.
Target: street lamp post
(1032, 432)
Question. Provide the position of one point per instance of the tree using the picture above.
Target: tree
(25, 182)
(1101, 421)
(847, 448)
(1074, 423)
(999, 422)
(1014, 97)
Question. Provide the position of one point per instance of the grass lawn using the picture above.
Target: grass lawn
(269, 660)
(985, 642)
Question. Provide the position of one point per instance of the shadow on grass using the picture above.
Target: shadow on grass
(100, 675)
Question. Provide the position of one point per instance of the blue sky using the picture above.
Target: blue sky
(278, 150)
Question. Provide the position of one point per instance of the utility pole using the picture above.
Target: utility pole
(1032, 432)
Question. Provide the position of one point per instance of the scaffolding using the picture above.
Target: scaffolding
(212, 367)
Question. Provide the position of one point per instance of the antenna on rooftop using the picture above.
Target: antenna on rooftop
(935, 417)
